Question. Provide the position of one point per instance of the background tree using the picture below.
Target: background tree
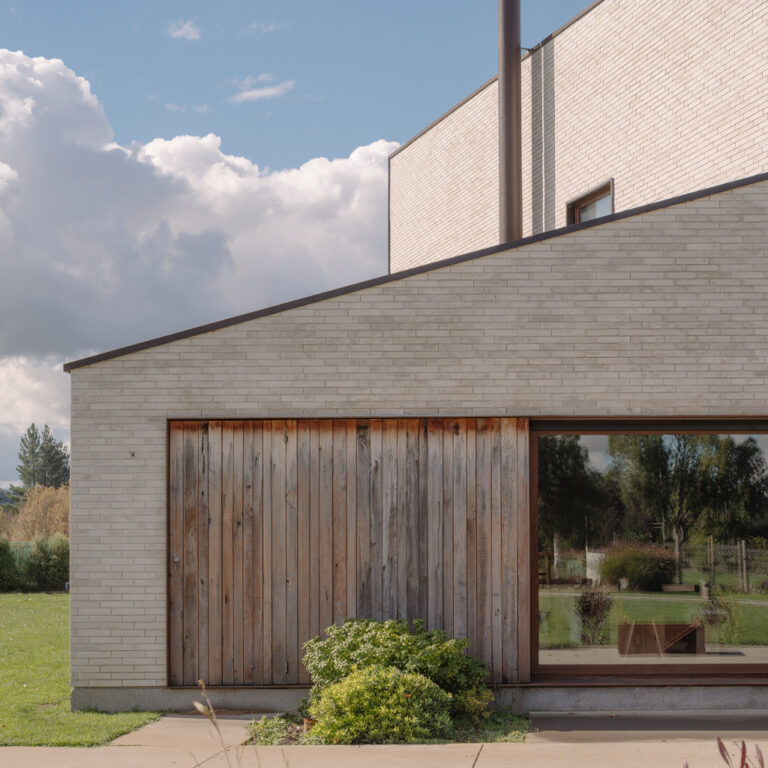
(43, 459)
(572, 501)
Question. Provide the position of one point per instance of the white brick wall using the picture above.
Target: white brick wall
(662, 314)
(664, 96)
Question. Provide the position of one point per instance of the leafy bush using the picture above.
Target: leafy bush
(645, 568)
(39, 566)
(365, 643)
(381, 705)
(9, 576)
(593, 608)
(269, 731)
(48, 564)
(472, 705)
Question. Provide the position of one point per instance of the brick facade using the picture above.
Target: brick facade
(658, 314)
(663, 96)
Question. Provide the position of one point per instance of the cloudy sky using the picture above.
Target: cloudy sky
(164, 165)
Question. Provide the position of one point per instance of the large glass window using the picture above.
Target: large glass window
(652, 550)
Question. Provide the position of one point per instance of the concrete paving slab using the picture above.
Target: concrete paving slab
(105, 757)
(379, 756)
(188, 730)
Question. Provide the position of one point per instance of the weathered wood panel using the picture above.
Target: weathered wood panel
(278, 528)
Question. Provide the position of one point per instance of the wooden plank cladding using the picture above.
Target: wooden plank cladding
(279, 528)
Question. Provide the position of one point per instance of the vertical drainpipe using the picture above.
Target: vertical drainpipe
(510, 123)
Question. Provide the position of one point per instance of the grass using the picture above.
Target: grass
(749, 628)
(34, 679)
(501, 726)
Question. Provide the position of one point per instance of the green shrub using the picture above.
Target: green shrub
(645, 568)
(39, 566)
(472, 705)
(381, 705)
(47, 564)
(9, 574)
(269, 731)
(365, 643)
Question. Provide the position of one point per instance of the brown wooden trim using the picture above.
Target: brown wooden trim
(651, 425)
(384, 279)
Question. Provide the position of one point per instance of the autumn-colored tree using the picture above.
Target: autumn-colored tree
(45, 513)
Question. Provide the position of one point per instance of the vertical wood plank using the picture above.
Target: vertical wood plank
(279, 655)
(449, 428)
(435, 523)
(377, 600)
(326, 523)
(238, 606)
(190, 618)
(351, 470)
(423, 560)
(214, 554)
(389, 518)
(247, 570)
(412, 518)
(291, 554)
(460, 529)
(524, 552)
(227, 552)
(303, 540)
(484, 604)
(176, 556)
(496, 638)
(363, 510)
(266, 538)
(509, 550)
(258, 552)
(339, 520)
(202, 552)
(315, 627)
(401, 549)
(472, 633)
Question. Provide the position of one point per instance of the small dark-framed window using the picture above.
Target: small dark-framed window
(592, 205)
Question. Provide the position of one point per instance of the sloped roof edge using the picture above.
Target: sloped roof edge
(394, 277)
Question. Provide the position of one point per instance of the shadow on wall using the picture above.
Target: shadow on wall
(543, 213)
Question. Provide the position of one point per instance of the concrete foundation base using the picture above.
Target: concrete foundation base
(522, 699)
(181, 699)
(631, 698)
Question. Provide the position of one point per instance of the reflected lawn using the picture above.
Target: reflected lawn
(558, 625)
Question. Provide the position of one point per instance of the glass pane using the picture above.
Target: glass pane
(653, 549)
(596, 208)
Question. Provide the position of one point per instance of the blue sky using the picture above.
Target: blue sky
(164, 165)
(362, 70)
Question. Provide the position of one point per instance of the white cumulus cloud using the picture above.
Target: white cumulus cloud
(104, 245)
(184, 30)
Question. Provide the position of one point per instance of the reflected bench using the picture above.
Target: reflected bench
(636, 639)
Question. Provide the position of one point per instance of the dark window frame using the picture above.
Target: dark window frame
(577, 203)
(679, 674)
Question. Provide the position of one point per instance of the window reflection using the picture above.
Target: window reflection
(653, 549)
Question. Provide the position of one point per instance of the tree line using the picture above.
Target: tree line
(657, 489)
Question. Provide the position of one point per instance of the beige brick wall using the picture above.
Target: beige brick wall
(662, 314)
(664, 96)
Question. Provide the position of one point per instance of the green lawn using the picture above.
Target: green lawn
(750, 625)
(34, 679)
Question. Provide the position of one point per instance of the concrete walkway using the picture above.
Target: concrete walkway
(562, 741)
